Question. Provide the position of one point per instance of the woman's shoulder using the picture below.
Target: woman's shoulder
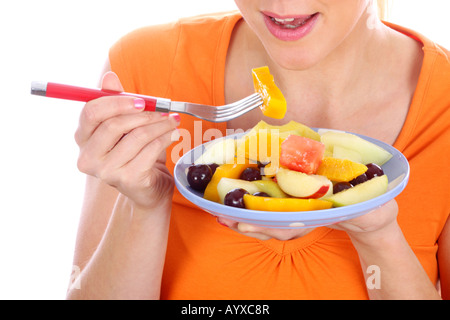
(168, 34)
(436, 60)
(431, 98)
(152, 51)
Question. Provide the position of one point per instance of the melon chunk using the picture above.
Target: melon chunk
(361, 192)
(340, 152)
(225, 185)
(270, 187)
(370, 152)
(218, 152)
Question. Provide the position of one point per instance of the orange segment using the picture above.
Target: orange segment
(232, 171)
(274, 105)
(340, 170)
(284, 204)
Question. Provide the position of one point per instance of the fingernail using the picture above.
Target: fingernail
(175, 135)
(164, 114)
(176, 116)
(220, 222)
(139, 103)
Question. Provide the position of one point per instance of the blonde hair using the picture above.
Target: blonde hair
(383, 8)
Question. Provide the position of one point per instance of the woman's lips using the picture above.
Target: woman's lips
(290, 28)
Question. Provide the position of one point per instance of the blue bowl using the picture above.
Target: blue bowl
(396, 169)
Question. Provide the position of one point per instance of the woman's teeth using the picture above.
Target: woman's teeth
(283, 20)
(287, 23)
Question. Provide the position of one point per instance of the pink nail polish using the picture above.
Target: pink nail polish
(139, 103)
(176, 116)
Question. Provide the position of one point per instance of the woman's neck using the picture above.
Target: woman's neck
(344, 78)
(368, 79)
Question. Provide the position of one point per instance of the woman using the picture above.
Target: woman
(338, 67)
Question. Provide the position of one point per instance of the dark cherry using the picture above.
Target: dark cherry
(359, 179)
(213, 167)
(373, 170)
(235, 198)
(199, 176)
(251, 174)
(261, 194)
(341, 186)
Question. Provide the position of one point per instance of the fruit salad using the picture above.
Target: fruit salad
(290, 168)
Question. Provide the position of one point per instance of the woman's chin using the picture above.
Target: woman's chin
(295, 61)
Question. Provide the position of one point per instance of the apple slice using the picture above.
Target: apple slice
(361, 192)
(225, 185)
(218, 152)
(370, 152)
(270, 187)
(302, 185)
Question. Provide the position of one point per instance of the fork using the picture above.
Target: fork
(210, 113)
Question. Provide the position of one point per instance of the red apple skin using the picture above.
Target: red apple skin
(319, 193)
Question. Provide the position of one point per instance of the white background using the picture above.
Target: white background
(67, 41)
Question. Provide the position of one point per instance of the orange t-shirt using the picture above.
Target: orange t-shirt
(185, 61)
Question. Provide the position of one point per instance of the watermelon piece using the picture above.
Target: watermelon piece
(301, 154)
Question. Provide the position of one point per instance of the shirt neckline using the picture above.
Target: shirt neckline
(284, 247)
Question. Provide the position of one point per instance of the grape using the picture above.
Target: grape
(359, 179)
(251, 174)
(341, 186)
(373, 170)
(235, 198)
(213, 167)
(261, 194)
(199, 176)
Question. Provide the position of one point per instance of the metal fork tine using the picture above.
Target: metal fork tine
(237, 114)
(237, 108)
(239, 103)
(220, 113)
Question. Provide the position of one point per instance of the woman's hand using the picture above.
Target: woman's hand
(124, 146)
(372, 221)
(372, 226)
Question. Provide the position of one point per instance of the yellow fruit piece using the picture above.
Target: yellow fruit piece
(340, 170)
(274, 105)
(292, 127)
(261, 146)
(263, 142)
(232, 171)
(284, 204)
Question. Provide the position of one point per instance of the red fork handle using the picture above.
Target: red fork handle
(67, 92)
